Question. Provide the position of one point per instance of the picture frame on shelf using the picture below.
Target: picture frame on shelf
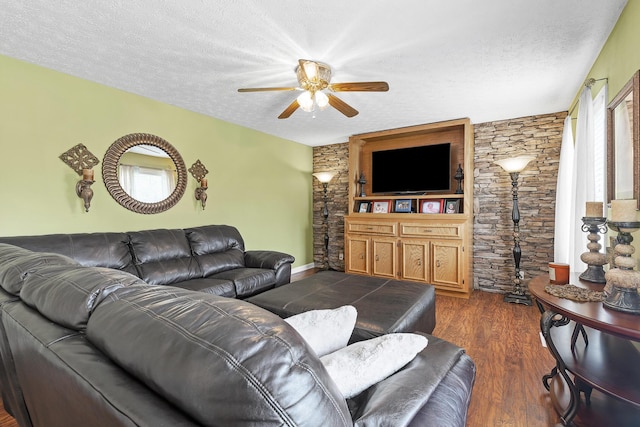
(431, 206)
(381, 206)
(403, 206)
(364, 207)
(452, 206)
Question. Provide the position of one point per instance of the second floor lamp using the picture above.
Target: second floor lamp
(513, 166)
(324, 178)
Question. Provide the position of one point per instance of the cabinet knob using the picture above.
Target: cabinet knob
(377, 258)
(361, 256)
(438, 263)
(419, 261)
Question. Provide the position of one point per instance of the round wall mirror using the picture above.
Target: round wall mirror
(144, 173)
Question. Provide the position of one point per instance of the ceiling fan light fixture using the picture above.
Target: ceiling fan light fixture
(322, 100)
(305, 99)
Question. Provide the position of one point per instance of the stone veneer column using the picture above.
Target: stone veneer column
(493, 265)
(541, 136)
(331, 158)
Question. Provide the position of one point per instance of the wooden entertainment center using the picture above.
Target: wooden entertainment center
(398, 239)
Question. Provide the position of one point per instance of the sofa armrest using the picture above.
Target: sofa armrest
(278, 261)
(433, 389)
(266, 259)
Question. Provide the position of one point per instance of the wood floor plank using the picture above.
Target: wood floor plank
(503, 340)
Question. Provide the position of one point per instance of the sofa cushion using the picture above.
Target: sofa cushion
(16, 263)
(220, 287)
(216, 248)
(68, 294)
(249, 281)
(325, 330)
(222, 361)
(163, 257)
(89, 249)
(358, 366)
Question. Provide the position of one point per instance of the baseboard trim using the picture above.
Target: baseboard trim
(302, 268)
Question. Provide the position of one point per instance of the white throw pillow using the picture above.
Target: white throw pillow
(357, 367)
(325, 330)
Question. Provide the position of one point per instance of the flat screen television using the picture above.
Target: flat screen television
(411, 170)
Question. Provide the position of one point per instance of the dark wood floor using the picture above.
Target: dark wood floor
(503, 340)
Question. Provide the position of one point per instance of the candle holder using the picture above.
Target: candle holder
(84, 191)
(201, 192)
(594, 258)
(623, 282)
(459, 176)
(362, 181)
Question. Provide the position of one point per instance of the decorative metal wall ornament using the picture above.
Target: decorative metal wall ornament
(82, 161)
(199, 171)
(78, 158)
(110, 173)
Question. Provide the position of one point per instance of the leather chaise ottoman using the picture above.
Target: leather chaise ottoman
(384, 306)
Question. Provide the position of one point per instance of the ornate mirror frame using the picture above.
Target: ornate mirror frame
(632, 87)
(110, 173)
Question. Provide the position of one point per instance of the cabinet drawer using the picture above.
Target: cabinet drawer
(435, 230)
(379, 228)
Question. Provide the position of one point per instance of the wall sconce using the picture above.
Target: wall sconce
(82, 161)
(198, 171)
(514, 166)
(83, 188)
(201, 192)
(324, 178)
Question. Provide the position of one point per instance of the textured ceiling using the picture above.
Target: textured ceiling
(486, 60)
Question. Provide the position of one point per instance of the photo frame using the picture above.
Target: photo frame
(364, 207)
(381, 206)
(431, 206)
(403, 205)
(451, 206)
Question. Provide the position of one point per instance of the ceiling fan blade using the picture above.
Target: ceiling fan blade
(289, 110)
(360, 86)
(265, 89)
(341, 106)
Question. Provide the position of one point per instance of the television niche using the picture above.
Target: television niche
(411, 170)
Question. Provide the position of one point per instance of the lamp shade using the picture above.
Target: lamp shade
(324, 176)
(515, 164)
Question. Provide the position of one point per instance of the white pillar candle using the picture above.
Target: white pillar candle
(595, 209)
(623, 210)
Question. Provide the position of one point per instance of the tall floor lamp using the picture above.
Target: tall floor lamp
(514, 166)
(324, 178)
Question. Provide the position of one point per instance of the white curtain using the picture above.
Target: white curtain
(564, 201)
(583, 180)
(600, 146)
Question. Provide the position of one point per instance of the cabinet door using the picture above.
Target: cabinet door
(358, 255)
(415, 259)
(384, 257)
(446, 263)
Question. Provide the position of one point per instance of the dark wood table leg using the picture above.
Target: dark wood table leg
(549, 320)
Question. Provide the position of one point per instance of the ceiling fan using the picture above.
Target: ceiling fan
(313, 79)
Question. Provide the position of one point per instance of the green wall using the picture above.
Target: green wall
(258, 183)
(620, 56)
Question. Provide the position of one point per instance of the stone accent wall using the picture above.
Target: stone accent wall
(330, 158)
(493, 263)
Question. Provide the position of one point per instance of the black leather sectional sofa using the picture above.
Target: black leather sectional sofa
(209, 259)
(86, 339)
